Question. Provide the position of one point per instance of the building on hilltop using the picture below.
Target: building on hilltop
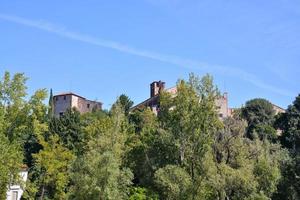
(64, 101)
(157, 86)
(277, 109)
(221, 102)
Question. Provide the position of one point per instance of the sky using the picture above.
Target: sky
(102, 49)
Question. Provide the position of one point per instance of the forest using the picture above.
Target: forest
(185, 152)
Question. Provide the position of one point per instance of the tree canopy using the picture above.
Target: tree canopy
(184, 152)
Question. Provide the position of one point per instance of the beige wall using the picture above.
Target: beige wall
(64, 102)
(222, 106)
(61, 103)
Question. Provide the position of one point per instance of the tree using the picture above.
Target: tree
(11, 162)
(173, 182)
(259, 114)
(53, 163)
(289, 123)
(36, 125)
(139, 193)
(192, 119)
(99, 174)
(239, 168)
(125, 103)
(150, 148)
(51, 105)
(13, 105)
(70, 131)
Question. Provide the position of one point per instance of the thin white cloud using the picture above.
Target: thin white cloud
(178, 61)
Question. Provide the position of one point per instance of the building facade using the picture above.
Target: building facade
(64, 101)
(15, 191)
(278, 109)
(157, 86)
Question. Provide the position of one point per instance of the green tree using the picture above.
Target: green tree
(150, 148)
(53, 163)
(99, 174)
(11, 162)
(243, 168)
(289, 123)
(260, 115)
(173, 182)
(70, 130)
(125, 103)
(139, 193)
(35, 126)
(51, 105)
(13, 105)
(192, 119)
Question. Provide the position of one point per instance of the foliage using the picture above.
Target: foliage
(289, 123)
(11, 161)
(69, 129)
(125, 103)
(51, 105)
(259, 114)
(98, 173)
(173, 182)
(149, 149)
(185, 152)
(53, 163)
(139, 193)
(192, 120)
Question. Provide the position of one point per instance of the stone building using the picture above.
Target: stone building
(65, 101)
(278, 109)
(157, 86)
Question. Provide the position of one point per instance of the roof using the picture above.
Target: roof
(73, 94)
(24, 167)
(145, 102)
(68, 93)
(277, 106)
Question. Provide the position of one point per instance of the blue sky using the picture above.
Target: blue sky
(101, 49)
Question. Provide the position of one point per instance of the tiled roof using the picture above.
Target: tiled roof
(73, 94)
(68, 93)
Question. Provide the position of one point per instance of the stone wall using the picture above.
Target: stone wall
(61, 104)
(70, 100)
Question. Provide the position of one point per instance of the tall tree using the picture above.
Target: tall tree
(36, 125)
(192, 119)
(99, 174)
(125, 103)
(53, 163)
(13, 104)
(150, 147)
(289, 123)
(51, 105)
(70, 130)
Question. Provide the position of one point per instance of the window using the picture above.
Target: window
(221, 115)
(88, 105)
(56, 98)
(14, 195)
(61, 114)
(65, 97)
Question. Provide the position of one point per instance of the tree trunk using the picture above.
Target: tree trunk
(43, 192)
